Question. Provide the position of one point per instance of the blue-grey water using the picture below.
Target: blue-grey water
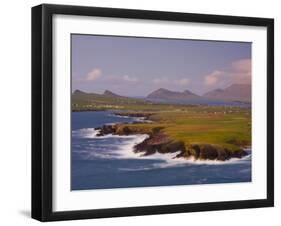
(109, 161)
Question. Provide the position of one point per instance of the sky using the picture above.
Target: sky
(132, 66)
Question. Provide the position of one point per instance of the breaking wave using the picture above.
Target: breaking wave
(122, 147)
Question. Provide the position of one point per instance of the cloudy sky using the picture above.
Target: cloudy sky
(138, 66)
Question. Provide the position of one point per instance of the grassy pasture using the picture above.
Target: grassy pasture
(229, 130)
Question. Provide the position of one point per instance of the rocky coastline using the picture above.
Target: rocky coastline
(158, 141)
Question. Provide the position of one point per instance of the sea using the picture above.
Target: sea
(108, 162)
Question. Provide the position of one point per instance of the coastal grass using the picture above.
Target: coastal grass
(228, 129)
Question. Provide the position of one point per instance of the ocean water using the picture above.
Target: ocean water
(109, 161)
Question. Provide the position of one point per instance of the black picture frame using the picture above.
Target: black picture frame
(42, 107)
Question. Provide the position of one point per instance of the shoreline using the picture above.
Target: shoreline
(159, 142)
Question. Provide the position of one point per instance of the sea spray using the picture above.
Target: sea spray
(124, 149)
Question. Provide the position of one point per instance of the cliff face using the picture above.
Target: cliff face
(159, 142)
(211, 152)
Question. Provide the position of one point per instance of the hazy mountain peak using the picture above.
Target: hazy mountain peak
(189, 92)
(111, 94)
(162, 90)
(78, 91)
(234, 92)
(165, 94)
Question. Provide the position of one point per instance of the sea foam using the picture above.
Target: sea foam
(124, 149)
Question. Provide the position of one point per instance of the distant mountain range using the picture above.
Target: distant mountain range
(106, 94)
(235, 92)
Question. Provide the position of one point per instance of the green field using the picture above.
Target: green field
(229, 128)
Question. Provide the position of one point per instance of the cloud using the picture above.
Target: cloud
(238, 72)
(213, 78)
(243, 65)
(121, 79)
(160, 81)
(130, 79)
(165, 81)
(182, 82)
(94, 74)
(241, 71)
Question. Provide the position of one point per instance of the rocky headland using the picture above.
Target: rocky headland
(160, 142)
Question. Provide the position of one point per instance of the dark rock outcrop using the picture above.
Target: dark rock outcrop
(106, 129)
(161, 143)
(211, 152)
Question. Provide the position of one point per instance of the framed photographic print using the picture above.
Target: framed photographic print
(145, 112)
